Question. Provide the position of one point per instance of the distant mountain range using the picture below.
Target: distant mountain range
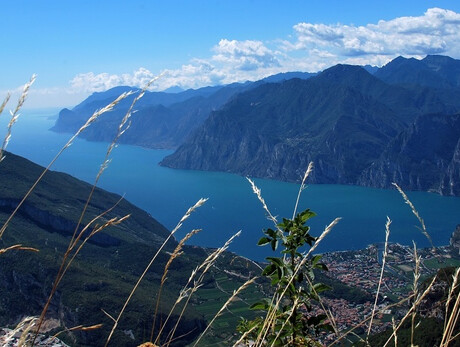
(162, 119)
(359, 125)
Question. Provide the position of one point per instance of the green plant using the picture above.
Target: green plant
(292, 277)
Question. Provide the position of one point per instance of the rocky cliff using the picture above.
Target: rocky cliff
(342, 120)
(425, 156)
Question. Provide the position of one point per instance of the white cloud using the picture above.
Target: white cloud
(233, 61)
(313, 47)
(245, 55)
(436, 32)
(90, 82)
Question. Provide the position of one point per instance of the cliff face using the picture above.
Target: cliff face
(276, 130)
(356, 127)
(425, 156)
(342, 120)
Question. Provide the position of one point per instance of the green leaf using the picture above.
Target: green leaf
(271, 268)
(306, 215)
(277, 261)
(263, 241)
(271, 233)
(274, 244)
(320, 287)
(315, 259)
(261, 305)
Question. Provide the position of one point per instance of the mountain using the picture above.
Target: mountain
(105, 270)
(425, 156)
(434, 71)
(161, 120)
(284, 76)
(342, 120)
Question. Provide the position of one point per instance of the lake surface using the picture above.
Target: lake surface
(166, 194)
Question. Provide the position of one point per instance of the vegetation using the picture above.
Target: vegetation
(63, 218)
(292, 276)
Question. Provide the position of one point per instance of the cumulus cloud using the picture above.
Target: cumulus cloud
(231, 61)
(436, 32)
(313, 47)
(245, 55)
(91, 82)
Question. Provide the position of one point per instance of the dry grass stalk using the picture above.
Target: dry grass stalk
(270, 217)
(88, 122)
(417, 260)
(451, 318)
(122, 127)
(385, 253)
(328, 313)
(98, 228)
(66, 264)
(18, 247)
(294, 305)
(15, 113)
(393, 324)
(414, 306)
(224, 306)
(108, 315)
(271, 314)
(258, 192)
(364, 321)
(5, 101)
(199, 203)
(23, 327)
(244, 336)
(187, 292)
(79, 328)
(302, 187)
(416, 214)
(174, 255)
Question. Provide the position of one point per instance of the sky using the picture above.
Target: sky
(77, 47)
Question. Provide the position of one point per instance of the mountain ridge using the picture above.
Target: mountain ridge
(342, 120)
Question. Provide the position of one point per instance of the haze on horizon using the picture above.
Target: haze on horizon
(81, 47)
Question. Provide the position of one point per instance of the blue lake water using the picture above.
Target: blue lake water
(166, 194)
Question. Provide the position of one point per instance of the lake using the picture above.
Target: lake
(166, 194)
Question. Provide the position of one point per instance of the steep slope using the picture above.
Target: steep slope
(341, 120)
(426, 156)
(107, 267)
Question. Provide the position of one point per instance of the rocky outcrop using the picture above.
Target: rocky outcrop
(53, 223)
(426, 156)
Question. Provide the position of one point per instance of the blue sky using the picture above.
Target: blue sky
(78, 47)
